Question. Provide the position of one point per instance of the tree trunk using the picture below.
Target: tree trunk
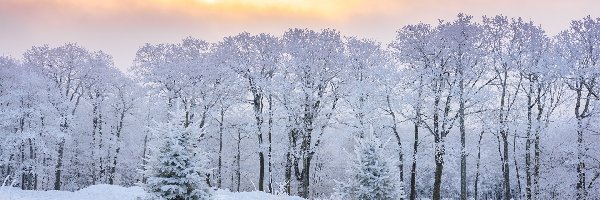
(113, 168)
(506, 172)
(288, 172)
(398, 140)
(261, 172)
(220, 162)
(476, 195)
(536, 163)
(505, 164)
(463, 150)
(306, 156)
(528, 182)
(504, 134)
(439, 134)
(537, 151)
(581, 189)
(32, 156)
(516, 165)
(439, 167)
(58, 171)
(95, 126)
(290, 160)
(258, 105)
(145, 155)
(413, 169)
(238, 169)
(304, 189)
(417, 123)
(536, 167)
(270, 151)
(579, 115)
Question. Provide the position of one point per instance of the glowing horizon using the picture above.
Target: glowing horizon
(329, 9)
(120, 27)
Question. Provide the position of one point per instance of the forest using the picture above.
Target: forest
(470, 108)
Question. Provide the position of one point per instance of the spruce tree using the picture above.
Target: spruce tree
(371, 176)
(176, 170)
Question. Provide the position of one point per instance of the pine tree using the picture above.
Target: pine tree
(176, 170)
(371, 177)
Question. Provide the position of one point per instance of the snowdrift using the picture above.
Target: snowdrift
(114, 192)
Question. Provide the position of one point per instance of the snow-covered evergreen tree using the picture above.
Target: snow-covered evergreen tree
(177, 169)
(370, 172)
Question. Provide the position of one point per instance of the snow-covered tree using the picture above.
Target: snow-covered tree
(370, 172)
(72, 72)
(426, 50)
(179, 74)
(255, 59)
(311, 92)
(177, 168)
(579, 47)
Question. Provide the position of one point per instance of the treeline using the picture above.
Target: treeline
(494, 108)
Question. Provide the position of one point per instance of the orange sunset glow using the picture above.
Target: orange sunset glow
(119, 27)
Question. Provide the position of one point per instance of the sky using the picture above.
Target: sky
(120, 27)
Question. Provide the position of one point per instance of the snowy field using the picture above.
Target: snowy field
(114, 192)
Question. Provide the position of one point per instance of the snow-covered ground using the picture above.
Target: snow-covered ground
(114, 192)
